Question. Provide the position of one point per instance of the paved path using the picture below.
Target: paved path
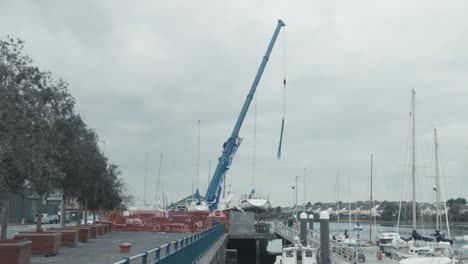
(13, 229)
(105, 249)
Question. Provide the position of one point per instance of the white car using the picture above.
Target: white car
(45, 219)
(89, 220)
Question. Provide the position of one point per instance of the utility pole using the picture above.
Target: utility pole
(436, 153)
(295, 203)
(413, 171)
(371, 203)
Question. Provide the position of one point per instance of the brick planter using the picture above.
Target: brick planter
(43, 243)
(93, 230)
(99, 229)
(70, 237)
(109, 224)
(84, 232)
(15, 251)
(105, 228)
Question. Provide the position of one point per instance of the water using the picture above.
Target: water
(274, 247)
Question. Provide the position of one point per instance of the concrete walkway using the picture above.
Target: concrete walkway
(105, 249)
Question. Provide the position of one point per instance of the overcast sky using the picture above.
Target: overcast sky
(145, 72)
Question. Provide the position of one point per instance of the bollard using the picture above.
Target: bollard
(303, 228)
(311, 221)
(324, 238)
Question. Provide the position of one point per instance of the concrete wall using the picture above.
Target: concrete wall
(215, 254)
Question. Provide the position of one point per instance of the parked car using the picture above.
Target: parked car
(45, 219)
(89, 220)
(54, 219)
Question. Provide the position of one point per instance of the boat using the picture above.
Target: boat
(254, 202)
(297, 254)
(434, 249)
(357, 227)
(427, 260)
(345, 239)
(386, 241)
(197, 204)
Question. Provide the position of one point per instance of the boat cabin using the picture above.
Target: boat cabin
(297, 255)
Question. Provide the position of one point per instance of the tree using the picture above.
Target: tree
(390, 210)
(17, 115)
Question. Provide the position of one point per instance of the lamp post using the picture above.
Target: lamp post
(294, 194)
(104, 148)
(296, 191)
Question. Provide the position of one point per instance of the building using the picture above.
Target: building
(23, 205)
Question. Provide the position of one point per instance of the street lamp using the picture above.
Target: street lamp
(294, 193)
(104, 148)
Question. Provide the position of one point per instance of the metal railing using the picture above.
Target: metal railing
(337, 249)
(185, 250)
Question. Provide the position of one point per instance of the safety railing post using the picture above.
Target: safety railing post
(168, 249)
(157, 256)
(127, 260)
(144, 258)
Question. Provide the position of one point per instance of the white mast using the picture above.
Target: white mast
(371, 204)
(156, 198)
(338, 197)
(305, 172)
(413, 158)
(198, 155)
(144, 192)
(437, 187)
(349, 181)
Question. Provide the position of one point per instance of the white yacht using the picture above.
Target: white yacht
(297, 254)
(386, 242)
(428, 260)
(254, 202)
(198, 206)
(345, 239)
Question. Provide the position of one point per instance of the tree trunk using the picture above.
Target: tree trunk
(94, 217)
(86, 213)
(80, 214)
(4, 204)
(63, 216)
(39, 213)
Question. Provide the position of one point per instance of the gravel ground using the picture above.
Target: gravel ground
(105, 249)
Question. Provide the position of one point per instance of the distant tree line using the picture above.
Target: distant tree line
(44, 144)
(390, 210)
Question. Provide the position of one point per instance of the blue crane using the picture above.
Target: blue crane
(232, 144)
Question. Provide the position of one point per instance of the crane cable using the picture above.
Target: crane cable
(278, 156)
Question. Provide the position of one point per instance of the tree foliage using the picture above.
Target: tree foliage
(44, 143)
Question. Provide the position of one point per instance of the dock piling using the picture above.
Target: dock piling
(324, 238)
(311, 221)
(303, 228)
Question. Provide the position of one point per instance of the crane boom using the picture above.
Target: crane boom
(232, 144)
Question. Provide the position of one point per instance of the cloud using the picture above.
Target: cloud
(144, 73)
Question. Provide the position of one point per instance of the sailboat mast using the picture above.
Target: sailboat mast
(144, 192)
(198, 155)
(371, 207)
(437, 188)
(303, 206)
(338, 197)
(349, 189)
(413, 156)
(156, 198)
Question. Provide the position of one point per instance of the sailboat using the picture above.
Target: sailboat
(345, 238)
(419, 247)
(197, 204)
(254, 201)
